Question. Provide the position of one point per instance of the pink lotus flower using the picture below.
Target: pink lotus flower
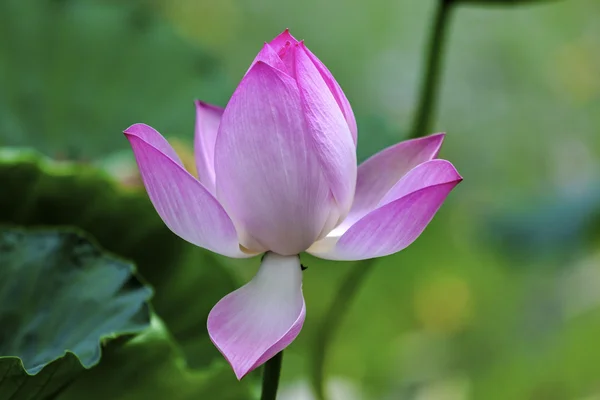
(277, 174)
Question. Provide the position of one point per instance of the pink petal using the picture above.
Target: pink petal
(257, 321)
(207, 125)
(378, 174)
(154, 139)
(398, 221)
(280, 45)
(186, 207)
(268, 177)
(284, 45)
(281, 40)
(331, 137)
(270, 57)
(423, 175)
(338, 94)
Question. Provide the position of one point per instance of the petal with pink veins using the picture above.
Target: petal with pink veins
(268, 176)
(400, 218)
(186, 207)
(257, 321)
(207, 125)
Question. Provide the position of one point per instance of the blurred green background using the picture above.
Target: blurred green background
(500, 296)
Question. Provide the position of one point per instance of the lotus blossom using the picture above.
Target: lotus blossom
(277, 174)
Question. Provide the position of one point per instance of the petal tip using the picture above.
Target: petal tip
(283, 37)
(458, 177)
(438, 139)
(202, 105)
(451, 175)
(134, 129)
(243, 367)
(239, 370)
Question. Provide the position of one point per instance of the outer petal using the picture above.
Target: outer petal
(207, 125)
(252, 324)
(186, 207)
(398, 221)
(331, 137)
(268, 177)
(378, 174)
(338, 94)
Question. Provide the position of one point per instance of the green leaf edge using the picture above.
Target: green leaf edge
(68, 229)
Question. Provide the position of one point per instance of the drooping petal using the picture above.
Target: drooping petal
(331, 137)
(270, 57)
(398, 220)
(252, 324)
(207, 125)
(378, 174)
(338, 94)
(186, 207)
(268, 177)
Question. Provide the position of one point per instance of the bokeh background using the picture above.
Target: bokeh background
(500, 296)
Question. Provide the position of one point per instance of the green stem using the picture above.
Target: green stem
(431, 80)
(359, 271)
(271, 373)
(331, 321)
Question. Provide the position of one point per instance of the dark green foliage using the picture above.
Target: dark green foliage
(188, 281)
(61, 297)
(151, 367)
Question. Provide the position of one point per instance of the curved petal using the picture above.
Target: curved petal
(427, 174)
(207, 125)
(186, 207)
(398, 221)
(338, 94)
(268, 177)
(257, 321)
(331, 137)
(154, 139)
(378, 174)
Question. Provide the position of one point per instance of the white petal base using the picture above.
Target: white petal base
(252, 324)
